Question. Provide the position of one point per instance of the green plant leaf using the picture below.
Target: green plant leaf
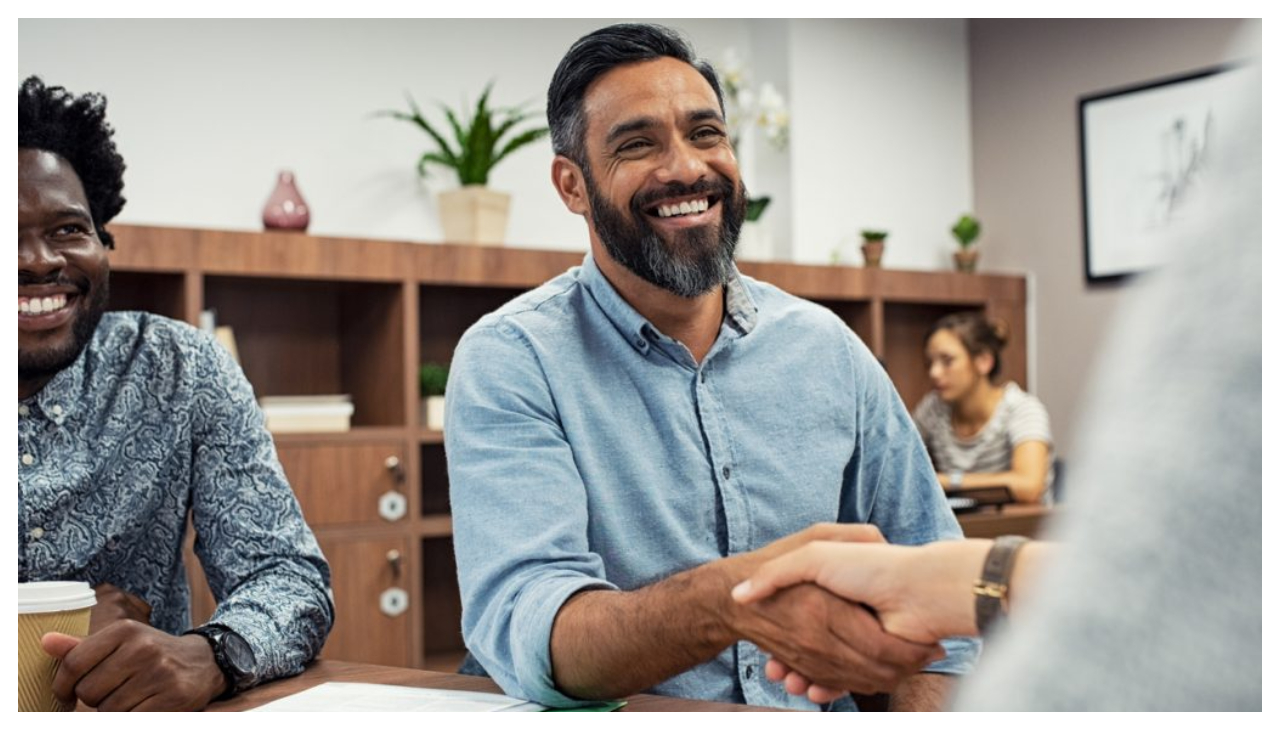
(432, 379)
(478, 139)
(434, 157)
(966, 230)
(526, 137)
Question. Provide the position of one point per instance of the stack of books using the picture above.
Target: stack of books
(307, 413)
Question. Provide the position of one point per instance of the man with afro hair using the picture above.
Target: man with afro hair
(128, 423)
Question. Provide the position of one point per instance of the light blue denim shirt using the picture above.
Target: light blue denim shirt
(588, 450)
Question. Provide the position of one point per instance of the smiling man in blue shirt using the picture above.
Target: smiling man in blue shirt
(128, 422)
(631, 439)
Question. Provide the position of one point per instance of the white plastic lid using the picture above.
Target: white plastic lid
(54, 596)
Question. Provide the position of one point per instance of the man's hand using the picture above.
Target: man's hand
(116, 605)
(827, 639)
(831, 642)
(130, 666)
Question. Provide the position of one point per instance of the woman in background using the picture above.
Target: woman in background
(980, 434)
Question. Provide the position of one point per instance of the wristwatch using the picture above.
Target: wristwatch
(233, 655)
(991, 591)
(955, 479)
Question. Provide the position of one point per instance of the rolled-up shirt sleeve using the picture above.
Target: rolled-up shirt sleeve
(519, 510)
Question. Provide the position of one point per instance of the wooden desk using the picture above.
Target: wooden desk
(324, 670)
(1014, 519)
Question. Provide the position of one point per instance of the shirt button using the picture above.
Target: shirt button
(28, 459)
(37, 533)
(24, 411)
(751, 671)
(57, 410)
(725, 472)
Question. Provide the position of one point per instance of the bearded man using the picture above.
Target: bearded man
(630, 440)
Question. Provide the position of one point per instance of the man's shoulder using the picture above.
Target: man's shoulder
(803, 323)
(774, 304)
(146, 329)
(123, 339)
(553, 306)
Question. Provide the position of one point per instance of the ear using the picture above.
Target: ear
(984, 362)
(569, 182)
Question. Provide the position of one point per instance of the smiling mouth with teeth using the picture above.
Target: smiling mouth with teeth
(687, 207)
(41, 305)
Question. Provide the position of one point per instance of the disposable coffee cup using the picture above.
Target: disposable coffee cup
(61, 606)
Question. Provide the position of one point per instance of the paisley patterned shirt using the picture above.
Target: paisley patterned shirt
(155, 421)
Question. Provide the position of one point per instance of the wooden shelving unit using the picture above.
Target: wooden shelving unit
(319, 315)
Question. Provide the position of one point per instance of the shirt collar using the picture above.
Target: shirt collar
(740, 307)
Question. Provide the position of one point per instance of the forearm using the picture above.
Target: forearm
(1026, 489)
(939, 579)
(285, 615)
(924, 692)
(609, 644)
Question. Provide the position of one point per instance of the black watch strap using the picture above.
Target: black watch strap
(991, 591)
(232, 654)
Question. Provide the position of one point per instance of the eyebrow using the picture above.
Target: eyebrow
(73, 212)
(639, 123)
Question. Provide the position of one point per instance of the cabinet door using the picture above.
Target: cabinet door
(347, 484)
(372, 614)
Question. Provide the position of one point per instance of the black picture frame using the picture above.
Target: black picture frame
(1142, 148)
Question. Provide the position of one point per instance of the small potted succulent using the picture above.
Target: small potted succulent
(432, 378)
(873, 247)
(966, 231)
(473, 213)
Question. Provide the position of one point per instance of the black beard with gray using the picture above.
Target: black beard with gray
(36, 365)
(696, 261)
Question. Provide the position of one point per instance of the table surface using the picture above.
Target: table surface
(324, 670)
(1012, 519)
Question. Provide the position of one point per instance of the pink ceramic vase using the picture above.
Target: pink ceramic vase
(285, 209)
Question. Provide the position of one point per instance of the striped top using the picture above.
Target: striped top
(1019, 417)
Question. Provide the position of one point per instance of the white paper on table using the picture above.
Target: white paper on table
(355, 697)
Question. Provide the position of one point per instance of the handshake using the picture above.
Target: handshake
(839, 610)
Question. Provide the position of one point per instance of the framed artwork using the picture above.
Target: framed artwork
(1143, 152)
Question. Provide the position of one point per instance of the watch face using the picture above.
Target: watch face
(238, 654)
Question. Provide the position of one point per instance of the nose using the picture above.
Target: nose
(37, 257)
(682, 163)
(935, 369)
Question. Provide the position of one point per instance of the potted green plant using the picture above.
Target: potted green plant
(966, 231)
(432, 378)
(473, 213)
(873, 247)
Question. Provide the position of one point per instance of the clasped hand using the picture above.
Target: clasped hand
(824, 639)
(871, 575)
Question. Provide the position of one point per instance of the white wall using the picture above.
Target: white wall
(1027, 78)
(880, 137)
(207, 112)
